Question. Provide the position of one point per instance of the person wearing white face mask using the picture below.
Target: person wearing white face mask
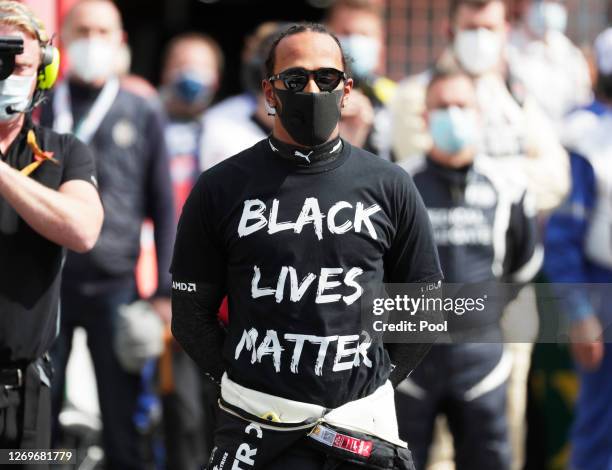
(515, 128)
(49, 203)
(360, 29)
(472, 390)
(552, 69)
(125, 132)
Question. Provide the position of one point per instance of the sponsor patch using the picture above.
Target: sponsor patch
(332, 438)
(124, 133)
(184, 286)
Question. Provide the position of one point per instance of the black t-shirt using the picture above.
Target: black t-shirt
(294, 245)
(31, 264)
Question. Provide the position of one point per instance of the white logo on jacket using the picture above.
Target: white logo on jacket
(184, 286)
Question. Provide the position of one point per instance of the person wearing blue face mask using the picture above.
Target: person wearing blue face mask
(190, 76)
(467, 380)
(189, 80)
(551, 67)
(360, 29)
(515, 132)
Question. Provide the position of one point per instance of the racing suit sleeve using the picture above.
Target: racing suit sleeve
(198, 286)
(196, 327)
(412, 260)
(524, 255)
(160, 200)
(406, 356)
(564, 259)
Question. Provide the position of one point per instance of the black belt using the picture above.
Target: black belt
(11, 378)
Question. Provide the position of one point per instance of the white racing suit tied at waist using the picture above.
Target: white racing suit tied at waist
(373, 415)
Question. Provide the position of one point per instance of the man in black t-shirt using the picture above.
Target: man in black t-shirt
(293, 231)
(48, 202)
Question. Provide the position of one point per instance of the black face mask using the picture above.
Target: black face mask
(309, 118)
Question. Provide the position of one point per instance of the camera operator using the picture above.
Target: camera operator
(48, 202)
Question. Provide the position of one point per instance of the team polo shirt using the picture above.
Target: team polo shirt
(30, 265)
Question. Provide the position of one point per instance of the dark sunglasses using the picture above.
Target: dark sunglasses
(296, 79)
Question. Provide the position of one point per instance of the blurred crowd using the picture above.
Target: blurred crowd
(511, 123)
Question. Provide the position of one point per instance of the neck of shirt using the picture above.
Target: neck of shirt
(457, 176)
(82, 97)
(308, 156)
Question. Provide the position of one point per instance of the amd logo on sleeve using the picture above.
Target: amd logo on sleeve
(184, 286)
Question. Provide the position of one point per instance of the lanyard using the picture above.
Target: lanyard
(85, 130)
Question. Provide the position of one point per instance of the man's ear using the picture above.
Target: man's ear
(268, 93)
(348, 86)
(425, 116)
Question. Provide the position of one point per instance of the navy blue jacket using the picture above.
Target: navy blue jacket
(134, 182)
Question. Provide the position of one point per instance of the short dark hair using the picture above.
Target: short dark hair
(367, 6)
(199, 38)
(297, 29)
(441, 73)
(455, 4)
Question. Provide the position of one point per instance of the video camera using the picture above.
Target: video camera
(10, 46)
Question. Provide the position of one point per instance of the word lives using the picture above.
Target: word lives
(298, 288)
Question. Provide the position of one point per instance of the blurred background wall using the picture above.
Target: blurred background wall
(417, 29)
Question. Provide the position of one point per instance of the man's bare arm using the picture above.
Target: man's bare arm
(71, 217)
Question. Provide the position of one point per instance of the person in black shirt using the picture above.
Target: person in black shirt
(48, 202)
(293, 230)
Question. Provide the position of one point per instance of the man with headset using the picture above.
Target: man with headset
(48, 202)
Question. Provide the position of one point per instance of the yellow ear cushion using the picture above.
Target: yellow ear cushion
(48, 74)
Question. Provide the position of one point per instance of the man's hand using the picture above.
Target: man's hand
(586, 343)
(163, 307)
(357, 118)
